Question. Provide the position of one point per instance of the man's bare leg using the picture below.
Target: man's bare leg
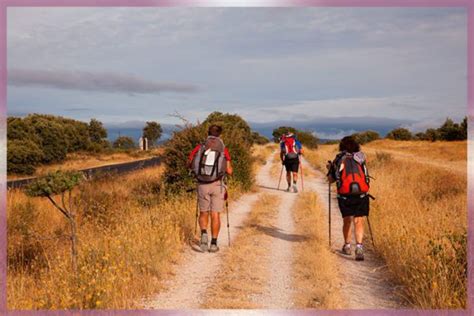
(215, 224)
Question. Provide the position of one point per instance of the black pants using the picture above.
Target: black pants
(292, 164)
(353, 205)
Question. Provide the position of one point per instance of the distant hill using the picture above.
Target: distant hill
(325, 128)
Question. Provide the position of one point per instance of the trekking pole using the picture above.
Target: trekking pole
(302, 176)
(197, 214)
(281, 173)
(227, 213)
(370, 230)
(329, 217)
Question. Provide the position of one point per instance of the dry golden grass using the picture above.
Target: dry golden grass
(128, 237)
(260, 154)
(315, 271)
(77, 161)
(127, 240)
(244, 274)
(419, 218)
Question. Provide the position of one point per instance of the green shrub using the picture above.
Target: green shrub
(23, 156)
(307, 139)
(237, 139)
(124, 142)
(152, 131)
(453, 131)
(259, 139)
(366, 137)
(278, 132)
(400, 134)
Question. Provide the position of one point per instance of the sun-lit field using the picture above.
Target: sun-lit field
(129, 236)
(76, 161)
(126, 243)
(419, 216)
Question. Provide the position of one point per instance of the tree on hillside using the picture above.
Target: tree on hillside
(152, 131)
(308, 139)
(23, 156)
(237, 138)
(451, 131)
(400, 134)
(124, 142)
(259, 139)
(366, 137)
(464, 128)
(51, 133)
(97, 132)
(278, 132)
(230, 122)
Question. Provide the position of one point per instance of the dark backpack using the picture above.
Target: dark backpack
(209, 163)
(352, 177)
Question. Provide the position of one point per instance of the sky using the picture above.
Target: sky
(123, 65)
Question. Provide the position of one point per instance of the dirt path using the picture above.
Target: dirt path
(279, 293)
(365, 284)
(186, 290)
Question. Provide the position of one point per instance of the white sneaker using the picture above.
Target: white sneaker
(295, 189)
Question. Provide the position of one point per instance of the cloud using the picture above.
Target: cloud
(90, 81)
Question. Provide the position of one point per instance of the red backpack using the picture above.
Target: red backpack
(291, 151)
(353, 177)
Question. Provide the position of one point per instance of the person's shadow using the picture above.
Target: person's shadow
(269, 188)
(278, 233)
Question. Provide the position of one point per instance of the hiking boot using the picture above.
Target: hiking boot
(204, 242)
(295, 189)
(288, 189)
(359, 252)
(346, 249)
(213, 248)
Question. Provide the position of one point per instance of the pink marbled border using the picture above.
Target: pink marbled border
(4, 4)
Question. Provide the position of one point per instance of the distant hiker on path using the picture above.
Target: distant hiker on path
(210, 163)
(290, 151)
(350, 173)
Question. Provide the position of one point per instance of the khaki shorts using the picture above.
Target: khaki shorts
(211, 196)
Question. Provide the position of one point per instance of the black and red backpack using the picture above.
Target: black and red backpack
(351, 175)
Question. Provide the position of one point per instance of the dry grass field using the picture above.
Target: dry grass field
(126, 242)
(129, 236)
(315, 270)
(419, 216)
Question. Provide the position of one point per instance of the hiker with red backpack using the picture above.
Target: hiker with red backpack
(350, 173)
(290, 151)
(210, 163)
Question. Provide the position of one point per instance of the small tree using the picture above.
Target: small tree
(23, 156)
(307, 139)
(366, 137)
(97, 132)
(451, 131)
(60, 183)
(124, 142)
(400, 134)
(277, 132)
(152, 131)
(259, 139)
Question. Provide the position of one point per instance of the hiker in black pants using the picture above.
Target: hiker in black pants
(349, 171)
